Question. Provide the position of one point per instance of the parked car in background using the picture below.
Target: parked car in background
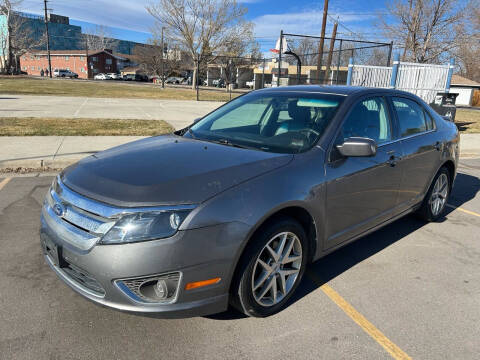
(232, 208)
(174, 80)
(65, 73)
(102, 76)
(249, 84)
(220, 83)
(135, 77)
(114, 76)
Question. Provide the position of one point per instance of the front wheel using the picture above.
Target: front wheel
(271, 268)
(437, 196)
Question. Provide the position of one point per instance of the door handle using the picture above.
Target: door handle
(438, 146)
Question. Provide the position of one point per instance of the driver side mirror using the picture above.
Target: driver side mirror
(196, 120)
(358, 147)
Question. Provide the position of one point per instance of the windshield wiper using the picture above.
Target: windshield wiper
(228, 143)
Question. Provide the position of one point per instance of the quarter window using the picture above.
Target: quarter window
(411, 117)
(368, 119)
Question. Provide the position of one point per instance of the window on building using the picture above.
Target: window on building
(32, 68)
(82, 58)
(108, 61)
(67, 58)
(95, 59)
(68, 69)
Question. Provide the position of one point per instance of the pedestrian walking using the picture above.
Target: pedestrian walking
(42, 73)
(46, 72)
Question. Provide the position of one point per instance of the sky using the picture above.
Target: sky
(128, 19)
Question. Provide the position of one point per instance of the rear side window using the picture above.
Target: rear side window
(411, 117)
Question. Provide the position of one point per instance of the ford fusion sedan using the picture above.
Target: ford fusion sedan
(232, 209)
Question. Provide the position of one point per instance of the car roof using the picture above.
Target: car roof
(330, 89)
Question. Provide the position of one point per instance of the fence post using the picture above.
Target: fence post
(390, 49)
(350, 71)
(396, 65)
(280, 58)
(338, 60)
(263, 74)
(449, 76)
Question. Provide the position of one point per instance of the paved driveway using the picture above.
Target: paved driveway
(179, 113)
(409, 290)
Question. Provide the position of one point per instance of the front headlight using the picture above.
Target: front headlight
(144, 226)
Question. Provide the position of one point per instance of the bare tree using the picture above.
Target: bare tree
(202, 27)
(425, 29)
(307, 50)
(149, 58)
(99, 38)
(468, 51)
(16, 37)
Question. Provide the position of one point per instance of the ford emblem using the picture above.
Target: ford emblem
(58, 209)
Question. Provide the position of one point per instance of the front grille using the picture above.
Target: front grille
(84, 279)
(72, 223)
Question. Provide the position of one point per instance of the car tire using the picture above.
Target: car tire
(248, 287)
(435, 202)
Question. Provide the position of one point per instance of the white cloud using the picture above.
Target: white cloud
(306, 22)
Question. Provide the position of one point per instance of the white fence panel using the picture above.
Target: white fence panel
(371, 76)
(424, 80)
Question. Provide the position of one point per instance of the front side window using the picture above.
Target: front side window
(411, 117)
(368, 119)
(282, 123)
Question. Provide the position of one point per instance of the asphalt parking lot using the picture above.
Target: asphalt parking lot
(409, 290)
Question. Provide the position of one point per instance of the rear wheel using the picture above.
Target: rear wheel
(436, 199)
(271, 268)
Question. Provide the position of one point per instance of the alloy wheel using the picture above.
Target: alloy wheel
(439, 195)
(276, 269)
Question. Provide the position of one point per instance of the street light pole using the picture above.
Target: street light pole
(48, 39)
(161, 61)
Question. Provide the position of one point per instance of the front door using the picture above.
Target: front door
(363, 191)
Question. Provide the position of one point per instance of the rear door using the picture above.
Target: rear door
(362, 192)
(421, 148)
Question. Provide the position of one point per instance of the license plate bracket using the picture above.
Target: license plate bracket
(53, 251)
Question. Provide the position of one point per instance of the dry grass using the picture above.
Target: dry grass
(102, 89)
(81, 127)
(468, 121)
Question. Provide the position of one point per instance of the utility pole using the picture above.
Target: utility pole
(330, 52)
(48, 39)
(161, 60)
(86, 55)
(322, 39)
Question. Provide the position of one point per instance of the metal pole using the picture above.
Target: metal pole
(390, 53)
(338, 60)
(196, 77)
(350, 71)
(263, 74)
(449, 76)
(86, 54)
(161, 61)
(48, 39)
(322, 39)
(330, 52)
(396, 64)
(280, 58)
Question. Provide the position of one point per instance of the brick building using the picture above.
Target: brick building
(99, 61)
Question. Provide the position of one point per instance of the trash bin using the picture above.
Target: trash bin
(444, 104)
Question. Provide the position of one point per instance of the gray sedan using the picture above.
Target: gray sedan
(232, 209)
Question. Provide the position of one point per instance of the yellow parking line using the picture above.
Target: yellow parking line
(361, 321)
(4, 182)
(464, 210)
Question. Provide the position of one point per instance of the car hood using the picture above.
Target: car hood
(166, 170)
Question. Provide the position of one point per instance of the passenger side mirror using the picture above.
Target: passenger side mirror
(358, 147)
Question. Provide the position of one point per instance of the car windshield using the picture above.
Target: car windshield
(281, 123)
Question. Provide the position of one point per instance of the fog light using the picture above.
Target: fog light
(154, 289)
(161, 289)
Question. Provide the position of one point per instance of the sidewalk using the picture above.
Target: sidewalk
(57, 152)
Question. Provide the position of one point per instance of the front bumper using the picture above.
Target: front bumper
(197, 254)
